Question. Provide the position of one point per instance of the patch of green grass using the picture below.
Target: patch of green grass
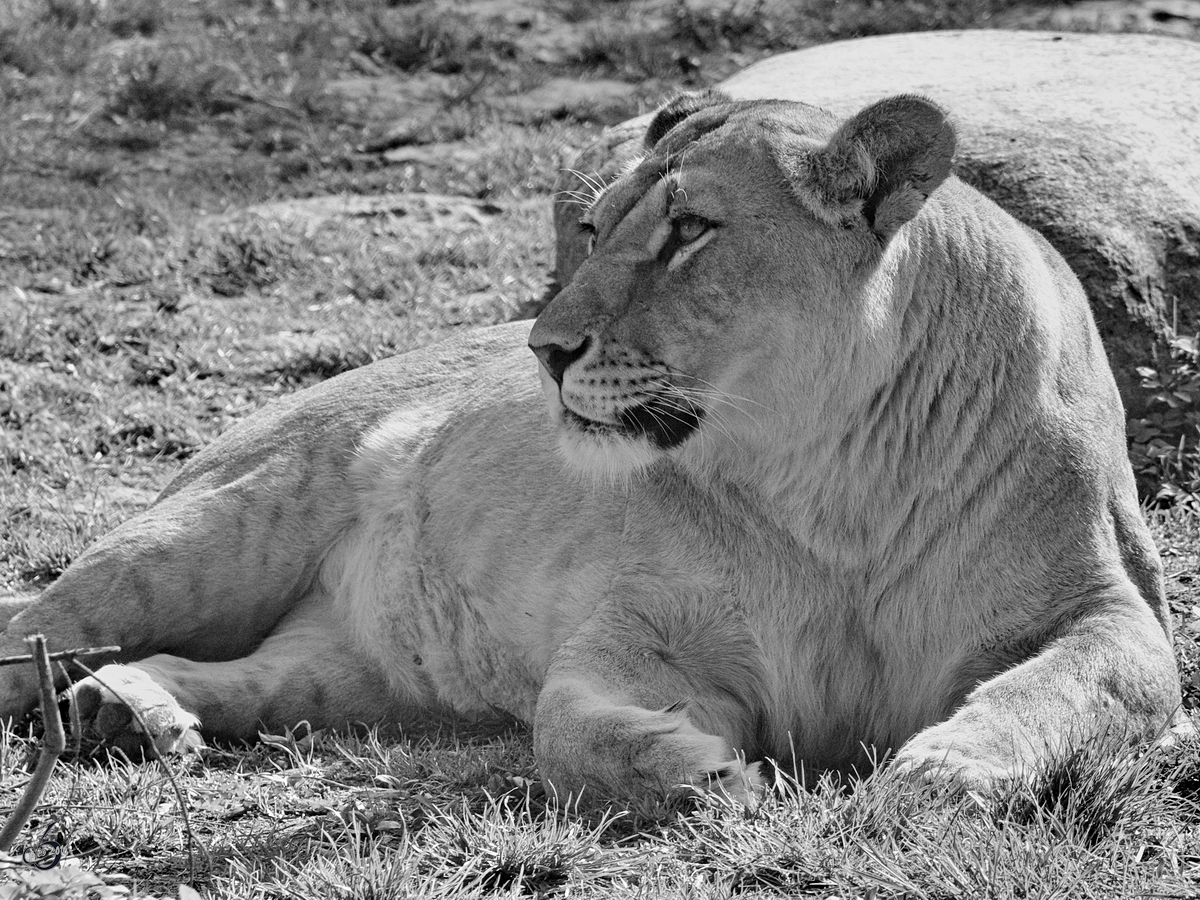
(458, 816)
(46, 525)
(728, 28)
(627, 49)
(19, 50)
(417, 37)
(1165, 440)
(38, 47)
(1096, 793)
(514, 848)
(159, 83)
(145, 432)
(122, 18)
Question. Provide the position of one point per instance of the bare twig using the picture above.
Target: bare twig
(187, 824)
(54, 742)
(76, 724)
(61, 654)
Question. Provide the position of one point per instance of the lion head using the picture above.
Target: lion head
(728, 271)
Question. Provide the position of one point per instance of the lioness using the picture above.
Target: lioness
(833, 463)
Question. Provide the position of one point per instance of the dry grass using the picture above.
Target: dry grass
(149, 298)
(459, 817)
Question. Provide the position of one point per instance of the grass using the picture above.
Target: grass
(153, 292)
(339, 816)
(421, 37)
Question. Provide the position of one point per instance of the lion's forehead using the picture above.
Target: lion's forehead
(638, 191)
(646, 204)
(711, 179)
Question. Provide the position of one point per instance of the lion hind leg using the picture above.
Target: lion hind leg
(13, 604)
(307, 670)
(211, 568)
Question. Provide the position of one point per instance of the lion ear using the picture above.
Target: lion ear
(881, 164)
(679, 108)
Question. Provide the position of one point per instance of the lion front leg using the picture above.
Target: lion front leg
(623, 716)
(1111, 677)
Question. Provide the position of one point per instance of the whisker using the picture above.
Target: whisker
(655, 414)
(723, 393)
(688, 408)
(708, 400)
(580, 197)
(594, 182)
(711, 390)
(590, 178)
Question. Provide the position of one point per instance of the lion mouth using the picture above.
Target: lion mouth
(664, 424)
(590, 426)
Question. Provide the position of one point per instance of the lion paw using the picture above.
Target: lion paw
(107, 718)
(738, 781)
(1182, 728)
(947, 759)
(634, 753)
(669, 753)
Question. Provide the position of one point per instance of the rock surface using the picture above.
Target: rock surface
(1090, 138)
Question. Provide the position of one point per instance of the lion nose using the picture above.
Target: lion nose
(556, 357)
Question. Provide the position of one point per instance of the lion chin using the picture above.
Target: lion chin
(611, 458)
(613, 453)
(609, 454)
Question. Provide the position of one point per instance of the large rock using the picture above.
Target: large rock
(1093, 139)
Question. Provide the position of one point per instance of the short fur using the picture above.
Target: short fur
(834, 461)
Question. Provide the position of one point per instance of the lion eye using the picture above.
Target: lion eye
(689, 228)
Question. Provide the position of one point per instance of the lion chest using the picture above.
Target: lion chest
(849, 662)
(464, 571)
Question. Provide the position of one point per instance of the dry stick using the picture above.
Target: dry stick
(61, 654)
(76, 724)
(187, 824)
(54, 742)
(52, 727)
